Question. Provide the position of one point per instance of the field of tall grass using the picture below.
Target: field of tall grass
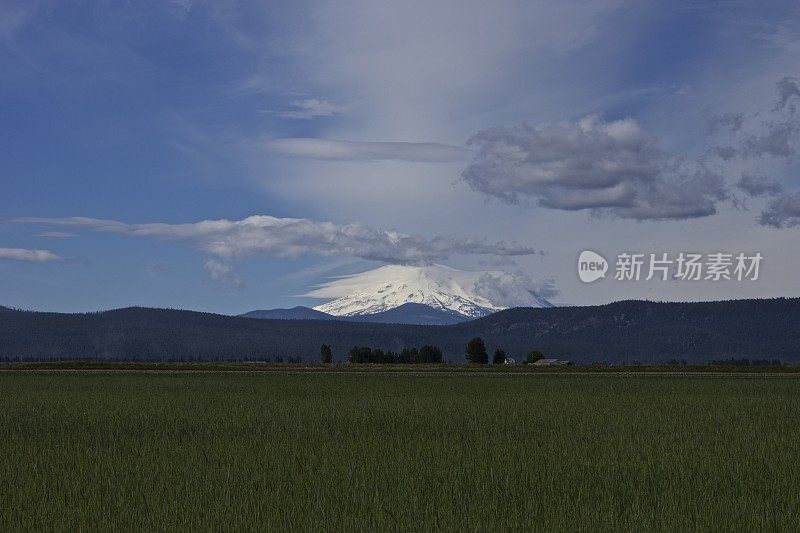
(325, 451)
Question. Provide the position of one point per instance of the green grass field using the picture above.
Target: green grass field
(361, 451)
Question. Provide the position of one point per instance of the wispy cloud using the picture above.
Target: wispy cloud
(159, 268)
(227, 240)
(221, 271)
(309, 108)
(55, 234)
(329, 149)
(28, 255)
(13, 17)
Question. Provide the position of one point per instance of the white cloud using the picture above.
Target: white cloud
(226, 240)
(221, 271)
(396, 284)
(366, 151)
(216, 269)
(33, 256)
(514, 289)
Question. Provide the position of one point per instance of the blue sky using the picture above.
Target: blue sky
(354, 117)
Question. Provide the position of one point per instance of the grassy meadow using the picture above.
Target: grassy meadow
(367, 451)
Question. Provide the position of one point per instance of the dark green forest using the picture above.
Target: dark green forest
(623, 332)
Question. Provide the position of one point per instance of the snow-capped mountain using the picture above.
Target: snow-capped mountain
(472, 294)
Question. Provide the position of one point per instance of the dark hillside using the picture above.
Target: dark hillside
(629, 331)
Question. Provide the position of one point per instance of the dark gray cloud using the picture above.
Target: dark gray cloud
(609, 167)
(726, 153)
(787, 90)
(759, 185)
(782, 211)
(683, 189)
(776, 137)
(731, 122)
(159, 268)
(777, 140)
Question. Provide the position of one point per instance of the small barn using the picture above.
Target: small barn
(551, 362)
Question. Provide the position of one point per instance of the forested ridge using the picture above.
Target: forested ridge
(627, 331)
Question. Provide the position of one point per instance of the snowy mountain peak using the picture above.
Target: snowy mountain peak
(471, 294)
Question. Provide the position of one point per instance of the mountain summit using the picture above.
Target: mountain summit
(471, 294)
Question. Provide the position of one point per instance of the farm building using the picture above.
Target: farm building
(551, 362)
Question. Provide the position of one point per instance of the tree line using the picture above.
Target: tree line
(747, 362)
(407, 356)
(475, 353)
